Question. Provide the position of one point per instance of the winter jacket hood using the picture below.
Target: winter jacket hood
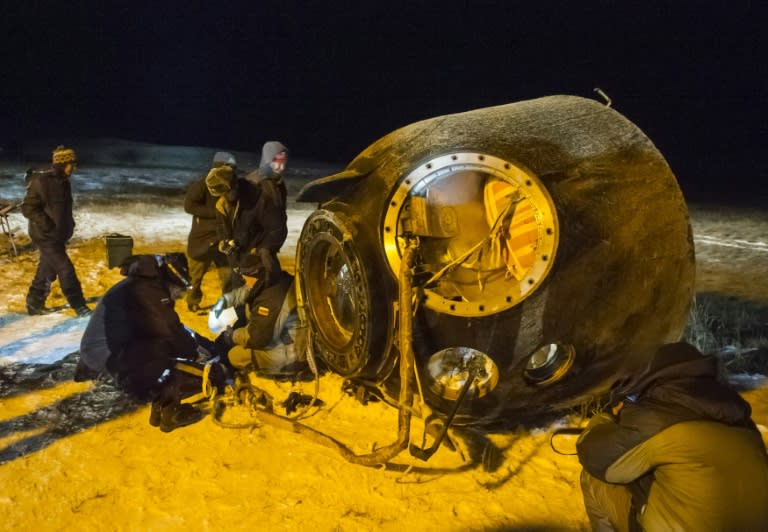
(172, 268)
(678, 375)
(220, 180)
(140, 266)
(268, 152)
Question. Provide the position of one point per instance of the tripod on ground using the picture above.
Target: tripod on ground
(5, 210)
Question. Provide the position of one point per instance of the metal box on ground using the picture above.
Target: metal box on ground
(119, 247)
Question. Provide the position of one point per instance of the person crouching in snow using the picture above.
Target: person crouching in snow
(679, 451)
(136, 336)
(267, 336)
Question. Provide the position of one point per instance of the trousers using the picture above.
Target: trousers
(197, 268)
(608, 505)
(55, 263)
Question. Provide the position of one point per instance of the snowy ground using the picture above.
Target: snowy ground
(82, 456)
(145, 203)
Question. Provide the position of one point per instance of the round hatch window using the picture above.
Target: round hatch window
(487, 231)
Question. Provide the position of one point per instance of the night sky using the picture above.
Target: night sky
(329, 77)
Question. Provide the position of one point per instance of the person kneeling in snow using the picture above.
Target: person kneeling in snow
(679, 452)
(136, 336)
(267, 333)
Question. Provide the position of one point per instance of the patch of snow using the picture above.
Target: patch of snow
(39, 339)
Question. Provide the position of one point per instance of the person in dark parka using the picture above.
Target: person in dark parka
(48, 207)
(252, 217)
(202, 243)
(268, 336)
(679, 452)
(136, 336)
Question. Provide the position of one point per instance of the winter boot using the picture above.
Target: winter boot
(84, 373)
(77, 303)
(177, 415)
(36, 302)
(155, 413)
(34, 310)
(83, 311)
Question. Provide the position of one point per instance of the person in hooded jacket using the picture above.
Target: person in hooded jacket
(136, 336)
(679, 451)
(202, 243)
(251, 214)
(48, 207)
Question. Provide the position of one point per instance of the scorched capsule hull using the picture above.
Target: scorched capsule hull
(554, 254)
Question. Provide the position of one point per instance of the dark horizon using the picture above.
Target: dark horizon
(330, 79)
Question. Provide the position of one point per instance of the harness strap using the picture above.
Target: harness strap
(207, 389)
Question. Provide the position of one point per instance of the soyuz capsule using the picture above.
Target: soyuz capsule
(553, 254)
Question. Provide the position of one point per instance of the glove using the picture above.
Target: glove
(224, 343)
(219, 306)
(202, 354)
(225, 301)
(227, 246)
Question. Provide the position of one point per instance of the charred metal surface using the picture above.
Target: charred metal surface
(604, 267)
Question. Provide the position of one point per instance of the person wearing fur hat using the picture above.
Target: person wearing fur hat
(252, 217)
(202, 243)
(678, 451)
(48, 207)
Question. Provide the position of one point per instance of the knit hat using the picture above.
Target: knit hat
(62, 155)
(219, 180)
(224, 157)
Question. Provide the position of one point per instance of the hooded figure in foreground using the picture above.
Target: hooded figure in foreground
(680, 452)
(135, 335)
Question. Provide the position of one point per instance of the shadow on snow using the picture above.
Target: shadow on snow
(63, 418)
